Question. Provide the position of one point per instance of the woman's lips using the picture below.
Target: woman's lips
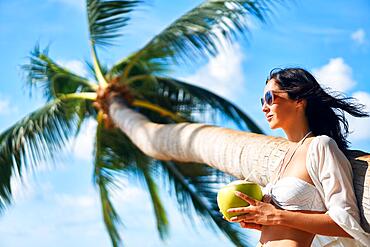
(269, 118)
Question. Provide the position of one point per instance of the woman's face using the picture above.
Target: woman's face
(281, 112)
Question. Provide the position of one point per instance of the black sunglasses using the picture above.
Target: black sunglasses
(269, 97)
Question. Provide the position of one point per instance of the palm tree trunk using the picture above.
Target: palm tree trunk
(241, 154)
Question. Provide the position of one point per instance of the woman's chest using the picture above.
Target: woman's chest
(295, 166)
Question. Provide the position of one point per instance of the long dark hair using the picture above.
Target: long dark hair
(325, 109)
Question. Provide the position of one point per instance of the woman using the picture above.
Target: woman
(312, 192)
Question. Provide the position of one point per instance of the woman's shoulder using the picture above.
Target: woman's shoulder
(323, 149)
(323, 141)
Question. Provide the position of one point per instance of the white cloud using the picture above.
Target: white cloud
(359, 36)
(22, 189)
(82, 146)
(223, 74)
(5, 106)
(336, 74)
(360, 126)
(364, 98)
(76, 201)
(26, 188)
(75, 66)
(129, 194)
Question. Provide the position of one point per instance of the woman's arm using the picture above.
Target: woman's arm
(321, 224)
(266, 214)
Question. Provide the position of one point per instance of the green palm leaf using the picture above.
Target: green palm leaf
(118, 156)
(110, 215)
(196, 188)
(159, 211)
(104, 178)
(141, 66)
(197, 34)
(106, 17)
(53, 79)
(33, 139)
(186, 99)
(91, 69)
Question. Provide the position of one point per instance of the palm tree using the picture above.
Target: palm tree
(144, 80)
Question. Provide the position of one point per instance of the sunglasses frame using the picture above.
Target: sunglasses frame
(272, 93)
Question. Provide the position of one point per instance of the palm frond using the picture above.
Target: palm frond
(106, 17)
(104, 178)
(119, 156)
(196, 187)
(187, 99)
(140, 66)
(159, 210)
(198, 34)
(110, 215)
(116, 156)
(42, 72)
(91, 69)
(35, 138)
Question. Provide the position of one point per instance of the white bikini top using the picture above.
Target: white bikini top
(292, 193)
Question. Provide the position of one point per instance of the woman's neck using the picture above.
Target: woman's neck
(297, 131)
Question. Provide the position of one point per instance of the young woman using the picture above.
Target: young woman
(310, 201)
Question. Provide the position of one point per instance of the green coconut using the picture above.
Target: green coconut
(227, 199)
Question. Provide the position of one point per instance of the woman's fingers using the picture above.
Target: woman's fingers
(251, 225)
(240, 210)
(244, 217)
(246, 198)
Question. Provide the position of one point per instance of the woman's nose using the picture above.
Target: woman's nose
(265, 107)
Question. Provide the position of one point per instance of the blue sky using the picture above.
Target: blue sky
(57, 204)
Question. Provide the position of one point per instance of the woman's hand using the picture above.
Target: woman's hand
(251, 226)
(248, 225)
(257, 213)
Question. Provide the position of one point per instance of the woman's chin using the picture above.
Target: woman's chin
(273, 125)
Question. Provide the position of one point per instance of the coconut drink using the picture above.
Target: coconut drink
(227, 199)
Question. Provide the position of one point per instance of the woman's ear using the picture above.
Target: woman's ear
(301, 103)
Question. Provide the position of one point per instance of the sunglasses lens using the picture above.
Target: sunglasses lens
(268, 98)
(262, 101)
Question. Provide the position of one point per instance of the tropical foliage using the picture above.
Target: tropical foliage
(70, 100)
